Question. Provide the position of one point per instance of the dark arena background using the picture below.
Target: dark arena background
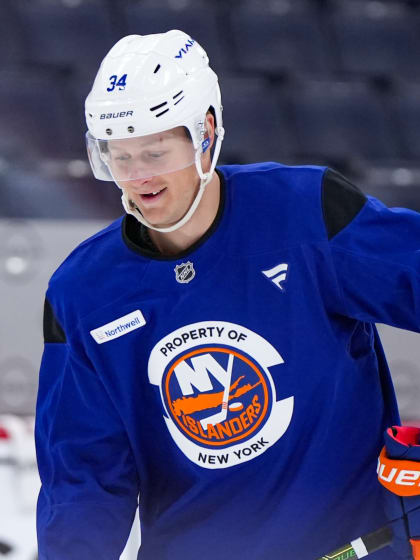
(330, 82)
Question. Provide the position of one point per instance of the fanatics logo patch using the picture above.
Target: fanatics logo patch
(184, 272)
(119, 327)
(277, 275)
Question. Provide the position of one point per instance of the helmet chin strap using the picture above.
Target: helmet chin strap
(131, 208)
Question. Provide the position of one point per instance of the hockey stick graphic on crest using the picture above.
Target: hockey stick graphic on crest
(221, 416)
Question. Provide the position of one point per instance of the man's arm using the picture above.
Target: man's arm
(375, 252)
(89, 480)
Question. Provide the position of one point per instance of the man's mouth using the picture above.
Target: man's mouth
(152, 195)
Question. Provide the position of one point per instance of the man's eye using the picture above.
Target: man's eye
(122, 158)
(155, 155)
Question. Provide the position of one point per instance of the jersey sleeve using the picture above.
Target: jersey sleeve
(90, 485)
(375, 252)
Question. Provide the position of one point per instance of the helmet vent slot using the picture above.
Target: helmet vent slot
(162, 113)
(177, 95)
(159, 107)
(156, 107)
(156, 69)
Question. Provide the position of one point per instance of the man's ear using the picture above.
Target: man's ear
(210, 126)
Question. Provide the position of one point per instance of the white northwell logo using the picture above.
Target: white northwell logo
(278, 274)
(119, 327)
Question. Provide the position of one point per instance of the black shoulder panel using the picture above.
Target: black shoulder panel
(53, 332)
(341, 202)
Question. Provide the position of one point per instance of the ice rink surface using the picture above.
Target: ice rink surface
(19, 487)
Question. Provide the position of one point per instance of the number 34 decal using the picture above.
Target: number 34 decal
(119, 83)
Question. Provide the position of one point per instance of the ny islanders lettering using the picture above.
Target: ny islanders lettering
(216, 416)
(218, 396)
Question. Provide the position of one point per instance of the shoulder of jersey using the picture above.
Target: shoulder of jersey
(269, 166)
(280, 202)
(263, 183)
(94, 256)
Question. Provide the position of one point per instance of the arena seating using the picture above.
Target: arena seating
(257, 119)
(34, 120)
(406, 105)
(65, 34)
(303, 81)
(342, 120)
(199, 18)
(376, 39)
(278, 37)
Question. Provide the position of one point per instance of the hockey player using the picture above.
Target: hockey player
(214, 350)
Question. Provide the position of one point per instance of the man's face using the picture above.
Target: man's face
(175, 194)
(163, 164)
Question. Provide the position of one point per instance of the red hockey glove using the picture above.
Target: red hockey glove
(399, 472)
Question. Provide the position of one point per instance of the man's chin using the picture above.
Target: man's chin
(157, 222)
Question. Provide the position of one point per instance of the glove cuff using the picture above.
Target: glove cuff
(399, 472)
(403, 442)
(399, 476)
(415, 545)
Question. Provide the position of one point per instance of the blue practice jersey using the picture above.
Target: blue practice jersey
(240, 389)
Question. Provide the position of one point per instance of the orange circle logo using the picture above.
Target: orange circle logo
(217, 396)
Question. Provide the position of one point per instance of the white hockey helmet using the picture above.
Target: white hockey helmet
(146, 88)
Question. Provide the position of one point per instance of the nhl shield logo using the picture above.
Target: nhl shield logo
(184, 272)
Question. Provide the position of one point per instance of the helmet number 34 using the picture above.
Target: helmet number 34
(115, 82)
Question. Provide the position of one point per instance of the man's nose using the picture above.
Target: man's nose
(138, 184)
(140, 179)
(139, 175)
